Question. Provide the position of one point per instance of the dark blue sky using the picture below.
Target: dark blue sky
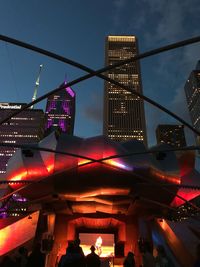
(77, 29)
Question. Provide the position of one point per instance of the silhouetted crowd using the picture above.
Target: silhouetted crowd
(161, 259)
(75, 257)
(22, 259)
(148, 260)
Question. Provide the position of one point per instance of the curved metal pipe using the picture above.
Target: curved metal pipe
(99, 72)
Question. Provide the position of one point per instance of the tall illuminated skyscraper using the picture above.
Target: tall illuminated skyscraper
(192, 92)
(124, 117)
(60, 111)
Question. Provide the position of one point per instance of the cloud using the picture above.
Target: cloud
(94, 111)
(118, 6)
(167, 21)
(179, 104)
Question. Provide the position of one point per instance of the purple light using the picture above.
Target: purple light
(70, 91)
(16, 197)
(62, 125)
(52, 105)
(66, 107)
(49, 123)
(3, 214)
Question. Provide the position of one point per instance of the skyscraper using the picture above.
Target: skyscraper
(171, 134)
(60, 111)
(192, 92)
(124, 117)
(25, 128)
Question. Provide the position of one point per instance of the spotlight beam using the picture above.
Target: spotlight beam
(99, 74)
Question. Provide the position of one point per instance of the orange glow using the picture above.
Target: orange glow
(18, 233)
(98, 192)
(118, 164)
(98, 153)
(50, 168)
(111, 162)
(19, 176)
(36, 172)
(175, 244)
(28, 174)
(162, 176)
(83, 161)
(94, 199)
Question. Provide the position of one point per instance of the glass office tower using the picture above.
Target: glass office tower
(124, 117)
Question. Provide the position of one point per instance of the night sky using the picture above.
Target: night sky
(77, 29)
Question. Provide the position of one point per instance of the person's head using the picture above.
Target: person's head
(147, 247)
(23, 251)
(37, 248)
(161, 251)
(70, 248)
(130, 255)
(92, 248)
(77, 242)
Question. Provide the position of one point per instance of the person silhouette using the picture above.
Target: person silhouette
(36, 258)
(129, 260)
(92, 259)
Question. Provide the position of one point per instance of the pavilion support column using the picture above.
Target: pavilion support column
(60, 239)
(49, 235)
(132, 236)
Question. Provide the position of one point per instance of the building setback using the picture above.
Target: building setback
(25, 128)
(171, 134)
(60, 111)
(192, 92)
(124, 117)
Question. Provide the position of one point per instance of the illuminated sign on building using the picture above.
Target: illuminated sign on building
(11, 106)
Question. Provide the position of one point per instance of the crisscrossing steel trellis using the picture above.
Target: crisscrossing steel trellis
(99, 74)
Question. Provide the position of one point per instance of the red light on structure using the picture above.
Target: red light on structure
(165, 177)
(187, 194)
(24, 230)
(18, 177)
(50, 168)
(98, 192)
(83, 162)
(118, 164)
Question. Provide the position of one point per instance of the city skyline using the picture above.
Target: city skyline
(163, 76)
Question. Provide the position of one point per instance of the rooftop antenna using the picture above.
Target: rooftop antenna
(37, 83)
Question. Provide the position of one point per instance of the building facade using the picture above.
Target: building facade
(124, 117)
(171, 134)
(60, 111)
(192, 92)
(25, 128)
